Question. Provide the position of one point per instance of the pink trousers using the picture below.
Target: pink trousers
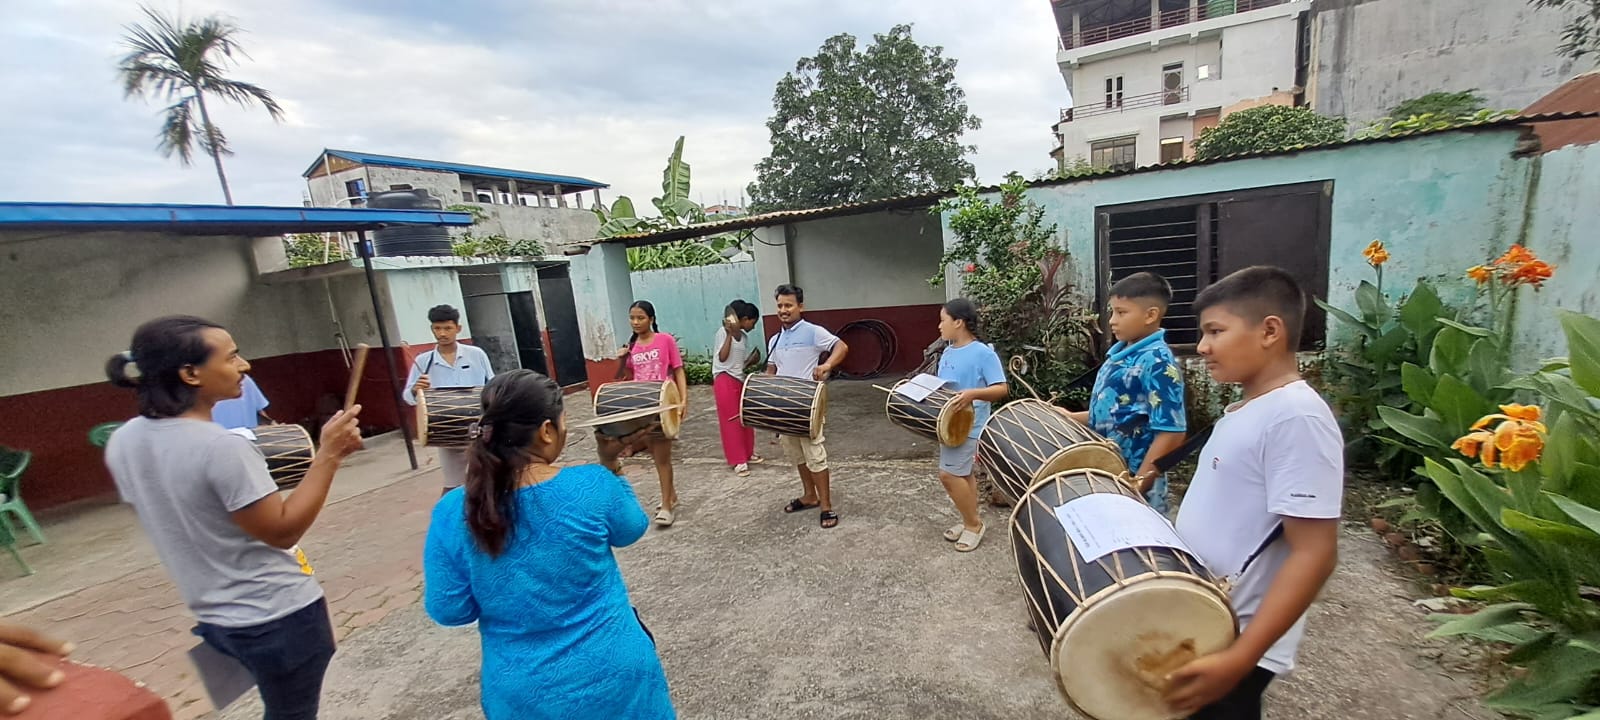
(738, 441)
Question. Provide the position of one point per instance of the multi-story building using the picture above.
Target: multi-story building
(1146, 76)
(514, 203)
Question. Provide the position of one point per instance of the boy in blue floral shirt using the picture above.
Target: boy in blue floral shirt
(1137, 401)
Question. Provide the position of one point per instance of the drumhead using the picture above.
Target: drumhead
(1110, 658)
(422, 416)
(1083, 456)
(671, 419)
(955, 425)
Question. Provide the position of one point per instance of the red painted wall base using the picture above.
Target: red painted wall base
(914, 326)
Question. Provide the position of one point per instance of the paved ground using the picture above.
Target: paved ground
(759, 614)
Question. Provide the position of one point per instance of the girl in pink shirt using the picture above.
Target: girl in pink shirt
(653, 356)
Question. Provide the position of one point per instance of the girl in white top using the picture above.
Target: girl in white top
(732, 356)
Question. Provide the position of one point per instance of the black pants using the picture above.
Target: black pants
(287, 657)
(1244, 703)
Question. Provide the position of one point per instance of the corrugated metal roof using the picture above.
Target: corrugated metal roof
(783, 217)
(1580, 94)
(243, 220)
(565, 181)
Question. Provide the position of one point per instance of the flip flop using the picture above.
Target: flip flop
(664, 517)
(796, 505)
(742, 470)
(756, 459)
(969, 539)
(954, 533)
(829, 520)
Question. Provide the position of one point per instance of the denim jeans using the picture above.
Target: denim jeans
(287, 657)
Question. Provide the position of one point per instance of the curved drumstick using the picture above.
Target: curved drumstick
(356, 369)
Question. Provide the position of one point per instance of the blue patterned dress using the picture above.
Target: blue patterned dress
(560, 638)
(1138, 393)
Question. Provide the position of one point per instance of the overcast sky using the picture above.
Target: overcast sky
(593, 88)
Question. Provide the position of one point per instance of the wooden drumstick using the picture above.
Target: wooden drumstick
(356, 369)
(880, 387)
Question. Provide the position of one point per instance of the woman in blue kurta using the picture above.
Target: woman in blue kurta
(524, 549)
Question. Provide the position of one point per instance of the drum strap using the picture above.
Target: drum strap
(1189, 446)
(1272, 537)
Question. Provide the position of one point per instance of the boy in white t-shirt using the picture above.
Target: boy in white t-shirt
(1263, 508)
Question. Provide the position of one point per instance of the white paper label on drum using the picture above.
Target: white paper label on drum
(921, 386)
(1102, 523)
(245, 433)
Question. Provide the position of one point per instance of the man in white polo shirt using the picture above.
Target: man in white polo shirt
(796, 351)
(448, 365)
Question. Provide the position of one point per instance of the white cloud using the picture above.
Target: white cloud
(598, 89)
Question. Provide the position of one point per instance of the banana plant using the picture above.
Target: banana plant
(676, 211)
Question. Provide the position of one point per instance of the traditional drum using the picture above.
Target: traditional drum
(629, 396)
(784, 405)
(1028, 440)
(288, 451)
(445, 415)
(935, 418)
(1114, 625)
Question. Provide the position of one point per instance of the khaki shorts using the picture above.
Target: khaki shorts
(799, 449)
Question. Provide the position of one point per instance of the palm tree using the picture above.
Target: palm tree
(171, 59)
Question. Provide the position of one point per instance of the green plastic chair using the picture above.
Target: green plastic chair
(100, 434)
(12, 464)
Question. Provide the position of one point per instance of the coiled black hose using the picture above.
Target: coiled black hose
(888, 344)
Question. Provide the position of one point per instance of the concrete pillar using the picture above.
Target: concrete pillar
(1155, 14)
(561, 200)
(602, 291)
(540, 195)
(516, 199)
(1194, 10)
(1077, 29)
(577, 200)
(597, 202)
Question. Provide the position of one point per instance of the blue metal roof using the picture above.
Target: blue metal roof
(565, 181)
(244, 220)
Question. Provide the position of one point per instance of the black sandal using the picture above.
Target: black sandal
(796, 505)
(830, 519)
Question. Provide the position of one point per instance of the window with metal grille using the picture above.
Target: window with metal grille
(1195, 241)
(1118, 154)
(1172, 84)
(1114, 92)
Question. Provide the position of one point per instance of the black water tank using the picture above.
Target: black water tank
(409, 239)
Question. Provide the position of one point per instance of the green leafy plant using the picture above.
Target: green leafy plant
(472, 244)
(1266, 129)
(1428, 122)
(1027, 305)
(1533, 493)
(697, 369)
(1452, 104)
(676, 211)
(308, 249)
(1581, 35)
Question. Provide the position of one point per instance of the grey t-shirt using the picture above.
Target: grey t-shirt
(184, 478)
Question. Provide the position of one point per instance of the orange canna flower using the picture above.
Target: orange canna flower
(1532, 273)
(1516, 440)
(1375, 254)
(1516, 255)
(1529, 413)
(1519, 444)
(1481, 274)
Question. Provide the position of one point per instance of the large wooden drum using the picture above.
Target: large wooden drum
(288, 450)
(784, 405)
(935, 418)
(627, 396)
(1115, 625)
(1028, 440)
(445, 415)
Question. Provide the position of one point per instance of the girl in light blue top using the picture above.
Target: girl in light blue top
(525, 550)
(974, 368)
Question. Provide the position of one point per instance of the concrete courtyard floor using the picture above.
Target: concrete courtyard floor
(757, 614)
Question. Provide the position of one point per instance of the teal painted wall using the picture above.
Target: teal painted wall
(689, 301)
(1564, 230)
(1441, 203)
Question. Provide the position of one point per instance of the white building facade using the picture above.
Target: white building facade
(1147, 76)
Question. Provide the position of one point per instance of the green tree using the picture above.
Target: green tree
(1581, 36)
(851, 124)
(181, 62)
(1265, 129)
(1451, 104)
(308, 249)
